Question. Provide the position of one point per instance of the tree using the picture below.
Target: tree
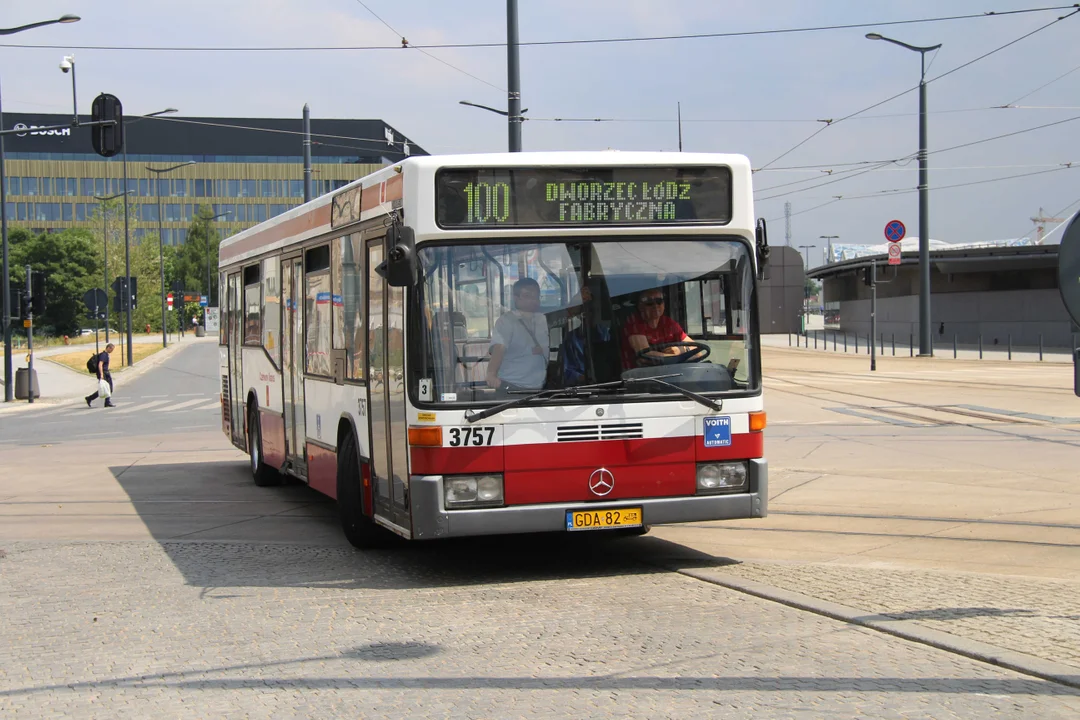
(812, 288)
(199, 252)
(70, 264)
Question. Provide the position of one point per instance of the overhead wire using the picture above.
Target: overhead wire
(406, 44)
(190, 121)
(833, 122)
(585, 41)
(1046, 85)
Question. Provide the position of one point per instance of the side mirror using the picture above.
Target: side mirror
(761, 232)
(399, 267)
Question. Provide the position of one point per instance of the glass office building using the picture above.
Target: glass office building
(250, 168)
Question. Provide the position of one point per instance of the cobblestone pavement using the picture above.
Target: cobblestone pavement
(513, 628)
(1037, 617)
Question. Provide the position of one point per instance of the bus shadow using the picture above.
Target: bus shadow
(220, 531)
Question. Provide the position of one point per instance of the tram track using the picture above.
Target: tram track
(934, 381)
(907, 410)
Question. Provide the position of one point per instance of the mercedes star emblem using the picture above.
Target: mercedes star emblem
(601, 482)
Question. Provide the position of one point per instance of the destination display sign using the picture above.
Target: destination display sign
(555, 197)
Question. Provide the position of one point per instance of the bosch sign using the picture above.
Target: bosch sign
(32, 130)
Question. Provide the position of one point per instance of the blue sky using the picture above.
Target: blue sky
(753, 95)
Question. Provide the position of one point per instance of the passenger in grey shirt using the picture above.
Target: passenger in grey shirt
(519, 345)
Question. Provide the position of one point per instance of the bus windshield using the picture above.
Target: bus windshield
(499, 320)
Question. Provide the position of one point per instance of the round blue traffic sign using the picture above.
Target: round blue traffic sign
(895, 231)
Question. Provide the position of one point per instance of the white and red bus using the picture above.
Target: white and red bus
(507, 343)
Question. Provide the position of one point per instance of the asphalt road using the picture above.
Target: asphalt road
(178, 396)
(142, 572)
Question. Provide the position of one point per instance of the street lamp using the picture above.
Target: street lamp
(829, 238)
(105, 242)
(9, 387)
(926, 347)
(208, 221)
(161, 239)
(127, 235)
(806, 297)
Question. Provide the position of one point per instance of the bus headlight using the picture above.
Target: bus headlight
(469, 491)
(721, 477)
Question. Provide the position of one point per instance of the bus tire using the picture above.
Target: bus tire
(263, 474)
(360, 530)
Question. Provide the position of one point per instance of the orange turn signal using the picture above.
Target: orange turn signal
(425, 436)
(757, 421)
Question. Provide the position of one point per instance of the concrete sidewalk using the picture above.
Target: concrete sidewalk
(60, 384)
(824, 341)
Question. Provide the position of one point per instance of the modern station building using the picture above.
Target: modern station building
(996, 292)
(250, 168)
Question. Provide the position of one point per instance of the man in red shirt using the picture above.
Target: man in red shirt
(649, 326)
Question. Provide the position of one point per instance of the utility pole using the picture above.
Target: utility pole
(787, 224)
(806, 297)
(29, 335)
(513, 76)
(307, 156)
(1039, 221)
(873, 316)
(680, 126)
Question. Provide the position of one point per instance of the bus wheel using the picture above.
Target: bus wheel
(360, 530)
(263, 474)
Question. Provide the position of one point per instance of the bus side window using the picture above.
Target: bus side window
(348, 291)
(252, 306)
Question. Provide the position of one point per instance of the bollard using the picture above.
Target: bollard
(980, 346)
(815, 339)
(911, 344)
(1010, 346)
(894, 344)
(954, 346)
(834, 342)
(856, 343)
(1040, 348)
(881, 343)
(789, 339)
(845, 341)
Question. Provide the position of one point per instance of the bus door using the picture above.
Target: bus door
(386, 393)
(292, 374)
(234, 312)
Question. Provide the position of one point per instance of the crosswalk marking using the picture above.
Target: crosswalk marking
(138, 407)
(179, 406)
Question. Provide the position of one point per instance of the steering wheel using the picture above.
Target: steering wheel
(695, 350)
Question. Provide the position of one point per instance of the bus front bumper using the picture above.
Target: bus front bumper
(430, 520)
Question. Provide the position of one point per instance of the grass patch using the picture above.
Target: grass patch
(77, 360)
(49, 341)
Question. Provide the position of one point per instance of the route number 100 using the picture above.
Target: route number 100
(488, 201)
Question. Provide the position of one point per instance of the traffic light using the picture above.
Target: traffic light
(868, 276)
(107, 140)
(35, 301)
(121, 293)
(15, 308)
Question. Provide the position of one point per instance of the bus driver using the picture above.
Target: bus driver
(649, 326)
(519, 353)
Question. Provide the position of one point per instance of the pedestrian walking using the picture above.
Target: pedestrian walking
(103, 374)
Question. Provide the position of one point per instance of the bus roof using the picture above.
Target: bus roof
(317, 216)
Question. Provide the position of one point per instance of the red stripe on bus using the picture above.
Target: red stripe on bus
(322, 470)
(311, 220)
(375, 195)
(559, 472)
(272, 431)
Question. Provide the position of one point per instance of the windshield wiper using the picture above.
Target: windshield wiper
(591, 389)
(543, 395)
(707, 402)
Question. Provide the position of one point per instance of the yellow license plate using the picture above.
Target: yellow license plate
(603, 519)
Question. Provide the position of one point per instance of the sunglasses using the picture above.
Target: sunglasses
(647, 302)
